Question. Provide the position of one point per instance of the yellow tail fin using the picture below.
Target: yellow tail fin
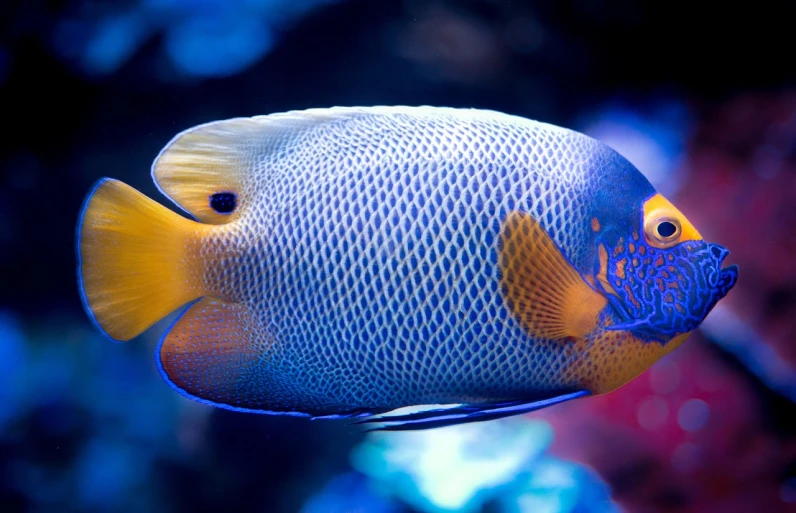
(137, 260)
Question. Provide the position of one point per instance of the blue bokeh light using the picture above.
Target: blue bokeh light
(652, 138)
(218, 46)
(113, 42)
(348, 493)
(13, 362)
(463, 468)
(202, 38)
(101, 402)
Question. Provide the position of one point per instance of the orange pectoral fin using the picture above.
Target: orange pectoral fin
(209, 352)
(542, 289)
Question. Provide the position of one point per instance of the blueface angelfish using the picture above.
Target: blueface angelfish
(347, 262)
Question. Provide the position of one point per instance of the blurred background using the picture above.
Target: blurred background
(702, 101)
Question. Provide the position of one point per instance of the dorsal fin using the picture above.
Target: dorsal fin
(222, 156)
(205, 160)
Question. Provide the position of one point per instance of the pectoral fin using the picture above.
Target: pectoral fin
(542, 288)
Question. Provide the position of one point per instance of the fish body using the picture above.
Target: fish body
(354, 261)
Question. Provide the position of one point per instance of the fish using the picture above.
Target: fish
(401, 267)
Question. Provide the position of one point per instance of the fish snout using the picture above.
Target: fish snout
(727, 276)
(727, 279)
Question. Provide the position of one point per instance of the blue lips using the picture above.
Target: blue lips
(726, 278)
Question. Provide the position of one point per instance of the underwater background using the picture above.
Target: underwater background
(702, 100)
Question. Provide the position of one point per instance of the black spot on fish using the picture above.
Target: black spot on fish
(224, 202)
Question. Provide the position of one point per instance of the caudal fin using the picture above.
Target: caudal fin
(137, 260)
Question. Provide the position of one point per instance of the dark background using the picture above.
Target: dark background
(89, 426)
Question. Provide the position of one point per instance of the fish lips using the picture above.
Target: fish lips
(724, 278)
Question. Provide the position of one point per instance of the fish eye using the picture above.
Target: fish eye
(666, 229)
(663, 232)
(223, 202)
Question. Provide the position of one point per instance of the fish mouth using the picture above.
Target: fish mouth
(727, 276)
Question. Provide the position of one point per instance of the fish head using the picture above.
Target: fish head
(660, 277)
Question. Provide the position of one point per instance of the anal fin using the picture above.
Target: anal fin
(464, 413)
(209, 351)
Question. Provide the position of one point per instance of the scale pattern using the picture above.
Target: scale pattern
(368, 253)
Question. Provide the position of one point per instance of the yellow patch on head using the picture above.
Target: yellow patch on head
(542, 289)
(664, 225)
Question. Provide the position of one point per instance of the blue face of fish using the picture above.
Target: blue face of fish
(661, 293)
(664, 281)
